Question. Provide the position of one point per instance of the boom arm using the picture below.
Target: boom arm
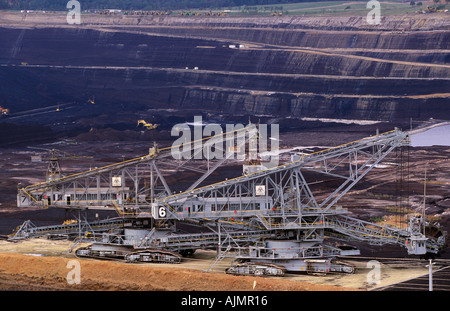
(415, 242)
(282, 191)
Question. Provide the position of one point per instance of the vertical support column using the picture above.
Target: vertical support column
(298, 193)
(136, 185)
(123, 187)
(220, 240)
(152, 185)
(430, 275)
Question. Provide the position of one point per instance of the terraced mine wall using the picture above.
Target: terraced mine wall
(285, 69)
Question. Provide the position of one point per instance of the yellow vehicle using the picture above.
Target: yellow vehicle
(4, 111)
(148, 126)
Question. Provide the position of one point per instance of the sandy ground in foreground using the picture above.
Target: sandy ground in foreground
(41, 264)
(25, 272)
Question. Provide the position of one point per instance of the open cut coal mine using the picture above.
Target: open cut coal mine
(83, 88)
(289, 67)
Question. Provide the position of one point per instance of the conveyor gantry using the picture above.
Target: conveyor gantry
(267, 215)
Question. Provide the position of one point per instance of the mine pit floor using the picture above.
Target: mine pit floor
(41, 264)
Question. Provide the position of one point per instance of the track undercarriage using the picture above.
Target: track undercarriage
(256, 269)
(153, 256)
(312, 266)
(125, 253)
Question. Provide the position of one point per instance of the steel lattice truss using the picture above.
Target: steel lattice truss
(267, 202)
(280, 197)
(130, 186)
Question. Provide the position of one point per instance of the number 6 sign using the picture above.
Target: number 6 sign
(158, 212)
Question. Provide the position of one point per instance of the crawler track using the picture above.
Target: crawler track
(153, 256)
(147, 255)
(256, 269)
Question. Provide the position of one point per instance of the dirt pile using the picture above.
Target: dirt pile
(26, 272)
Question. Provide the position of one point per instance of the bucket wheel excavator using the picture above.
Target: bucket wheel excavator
(270, 217)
